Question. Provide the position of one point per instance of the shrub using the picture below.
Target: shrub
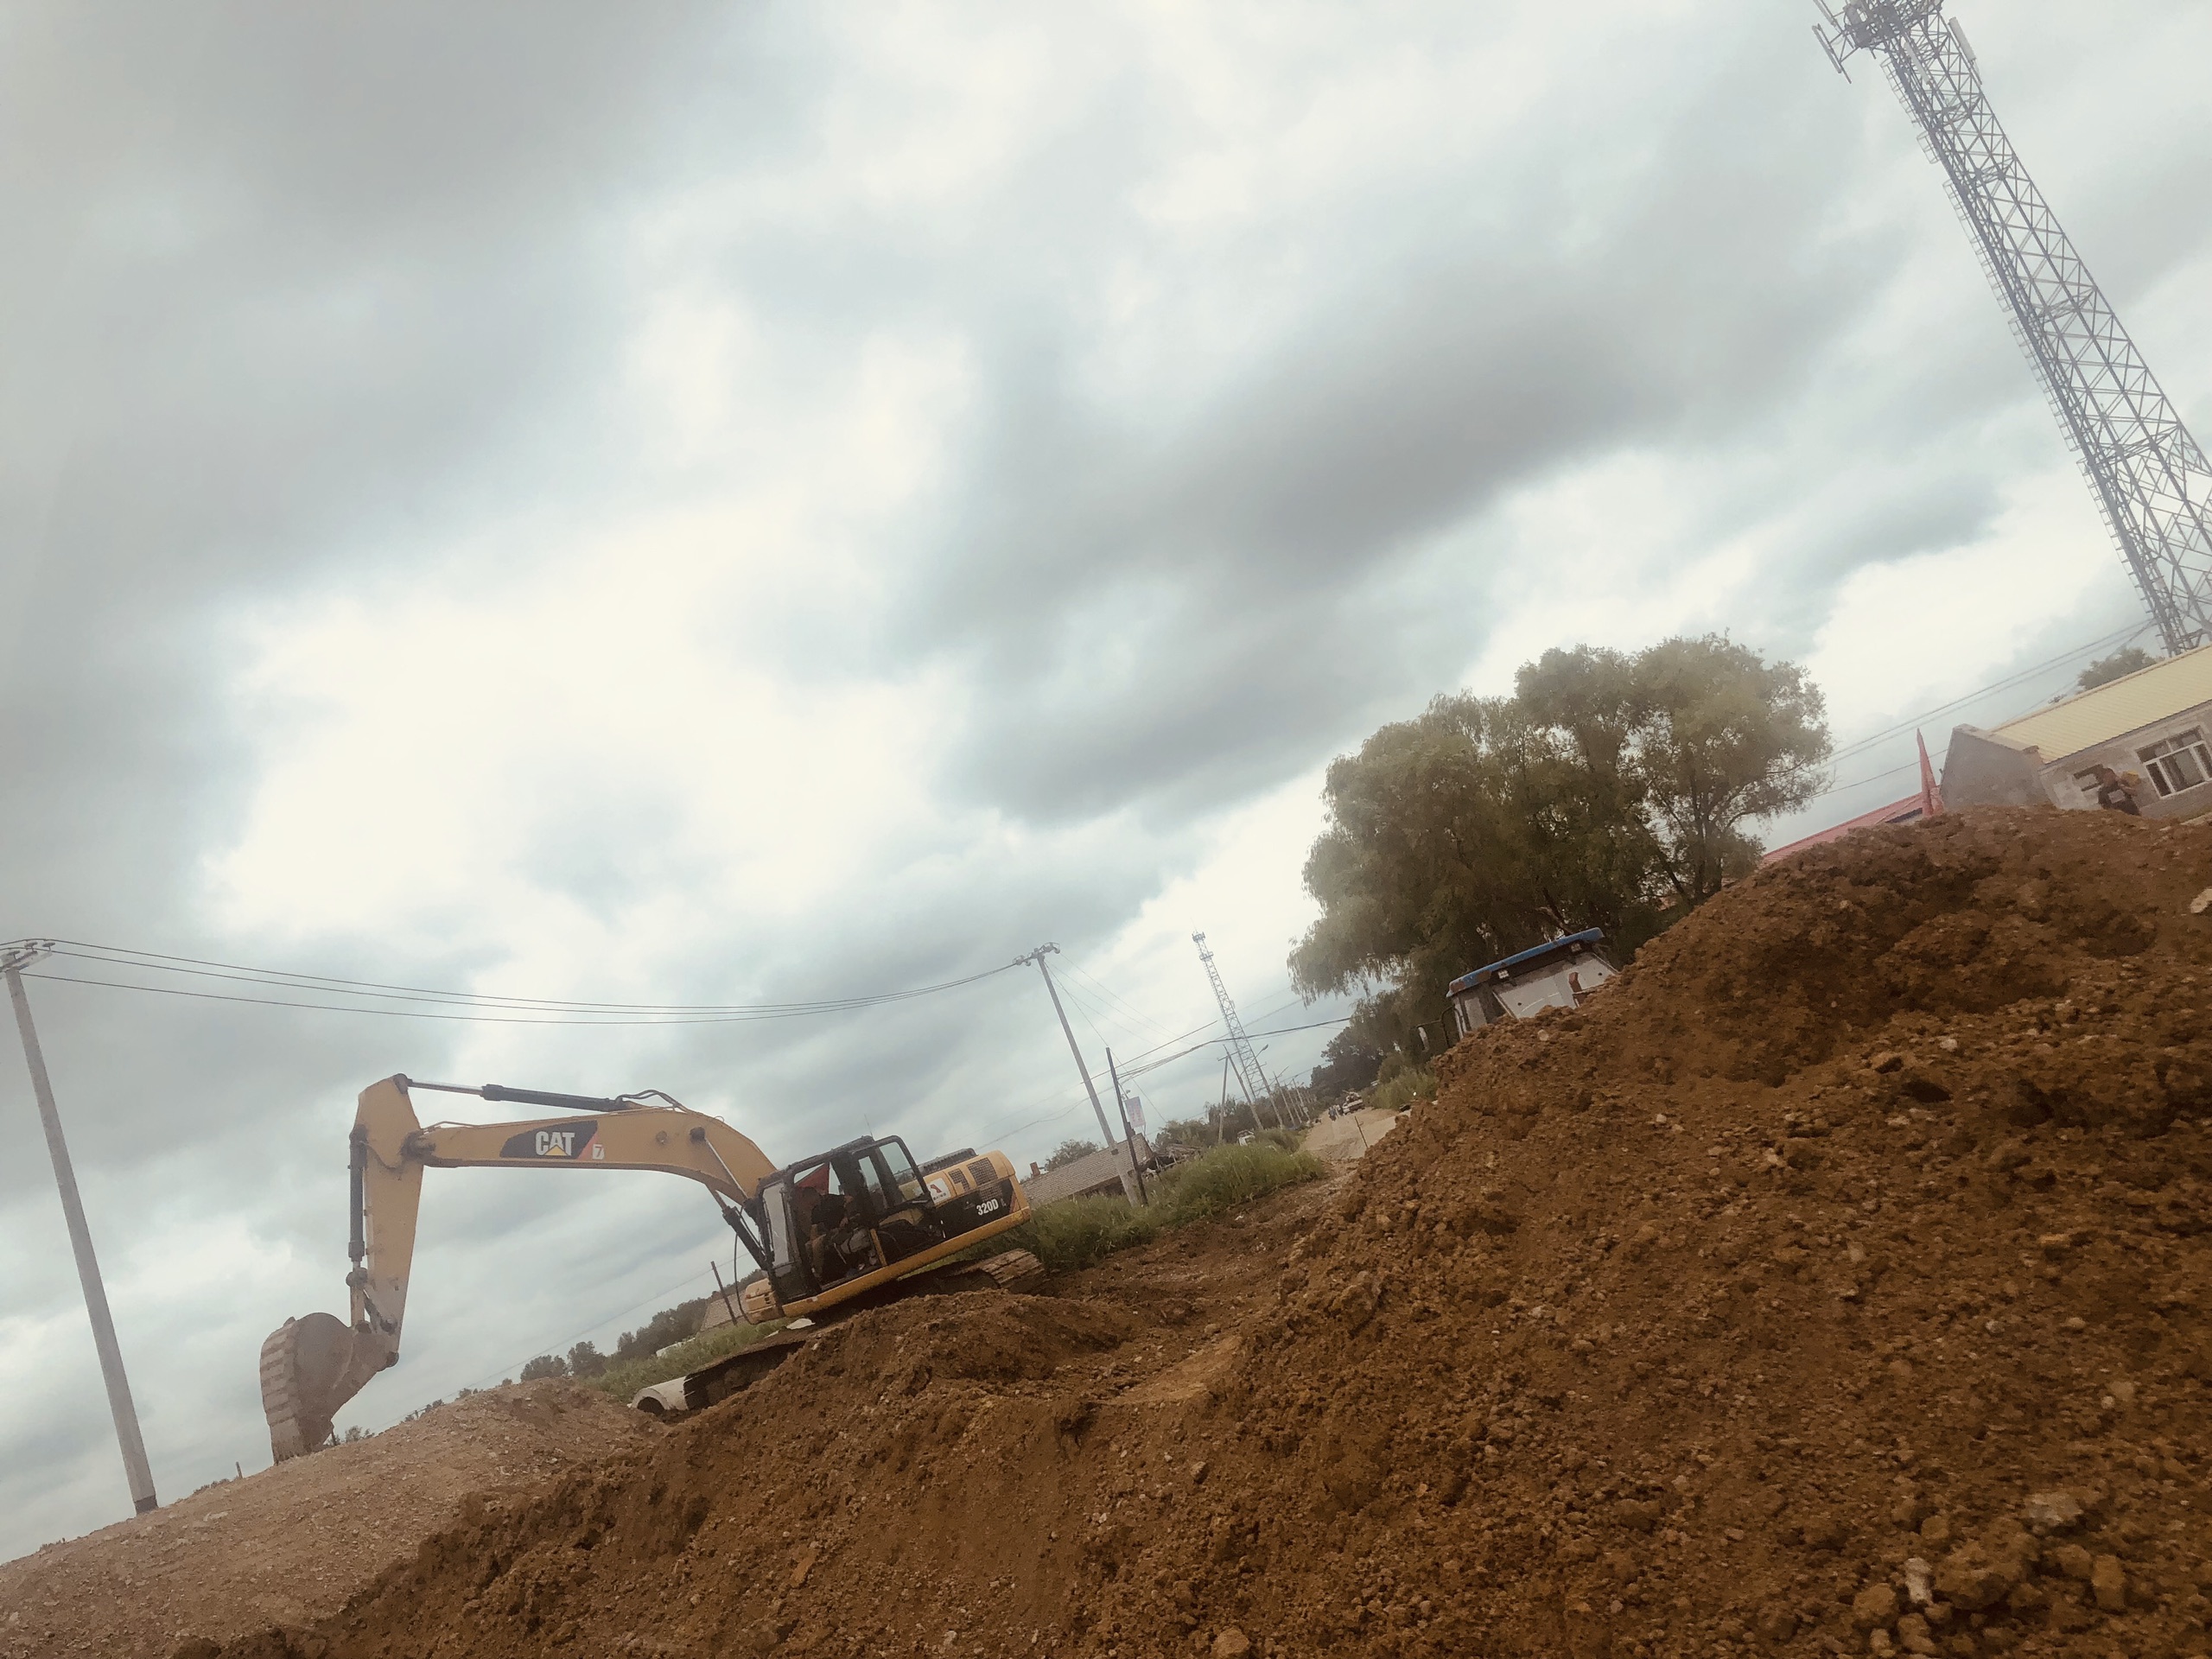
(1403, 1091)
(1229, 1176)
(1077, 1232)
(1080, 1232)
(1069, 1152)
(623, 1377)
(669, 1326)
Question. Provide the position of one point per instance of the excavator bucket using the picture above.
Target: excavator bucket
(306, 1373)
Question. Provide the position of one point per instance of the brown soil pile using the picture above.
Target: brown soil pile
(289, 1545)
(1833, 1282)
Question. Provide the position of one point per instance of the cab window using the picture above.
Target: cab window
(878, 1197)
(788, 1270)
(903, 1176)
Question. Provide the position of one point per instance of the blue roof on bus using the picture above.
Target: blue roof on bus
(1568, 944)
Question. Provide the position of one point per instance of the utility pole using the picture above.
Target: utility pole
(1037, 955)
(723, 1291)
(1221, 1112)
(1120, 1106)
(13, 960)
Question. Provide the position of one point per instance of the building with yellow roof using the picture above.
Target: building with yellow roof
(2137, 744)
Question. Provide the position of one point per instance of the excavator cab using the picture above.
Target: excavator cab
(866, 1207)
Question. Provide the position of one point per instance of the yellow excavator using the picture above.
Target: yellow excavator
(844, 1229)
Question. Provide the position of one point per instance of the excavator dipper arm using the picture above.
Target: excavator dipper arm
(311, 1367)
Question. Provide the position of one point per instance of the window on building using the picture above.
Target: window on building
(2178, 762)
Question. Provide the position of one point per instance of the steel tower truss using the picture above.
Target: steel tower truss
(2150, 477)
(1242, 1058)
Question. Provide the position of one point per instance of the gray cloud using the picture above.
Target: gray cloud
(309, 304)
(1267, 545)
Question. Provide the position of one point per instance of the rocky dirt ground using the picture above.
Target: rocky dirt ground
(292, 1545)
(1833, 1283)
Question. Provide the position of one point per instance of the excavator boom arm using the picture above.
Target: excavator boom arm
(311, 1367)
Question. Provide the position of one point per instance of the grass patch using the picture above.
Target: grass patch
(625, 1377)
(1228, 1176)
(1412, 1084)
(1081, 1232)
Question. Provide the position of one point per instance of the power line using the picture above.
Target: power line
(1864, 743)
(2132, 631)
(1178, 1037)
(1127, 1009)
(1912, 765)
(1083, 1008)
(459, 1005)
(201, 968)
(1216, 1042)
(1006, 1131)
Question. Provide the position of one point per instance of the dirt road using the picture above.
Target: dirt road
(1347, 1138)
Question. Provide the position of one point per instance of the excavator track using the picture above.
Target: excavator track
(1011, 1269)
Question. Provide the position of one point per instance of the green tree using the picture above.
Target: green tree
(1688, 741)
(1348, 1062)
(2128, 659)
(669, 1326)
(1608, 792)
(586, 1360)
(544, 1365)
(1068, 1151)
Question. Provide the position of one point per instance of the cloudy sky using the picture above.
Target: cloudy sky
(743, 504)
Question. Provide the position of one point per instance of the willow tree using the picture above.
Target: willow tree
(1610, 791)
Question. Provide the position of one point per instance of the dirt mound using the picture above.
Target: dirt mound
(1833, 1282)
(289, 1545)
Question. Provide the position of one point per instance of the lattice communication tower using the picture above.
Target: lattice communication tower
(2149, 476)
(1243, 1059)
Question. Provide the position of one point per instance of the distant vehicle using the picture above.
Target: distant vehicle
(1560, 973)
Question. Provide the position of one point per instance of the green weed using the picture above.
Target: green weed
(1403, 1091)
(1081, 1232)
(626, 1376)
(1229, 1176)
